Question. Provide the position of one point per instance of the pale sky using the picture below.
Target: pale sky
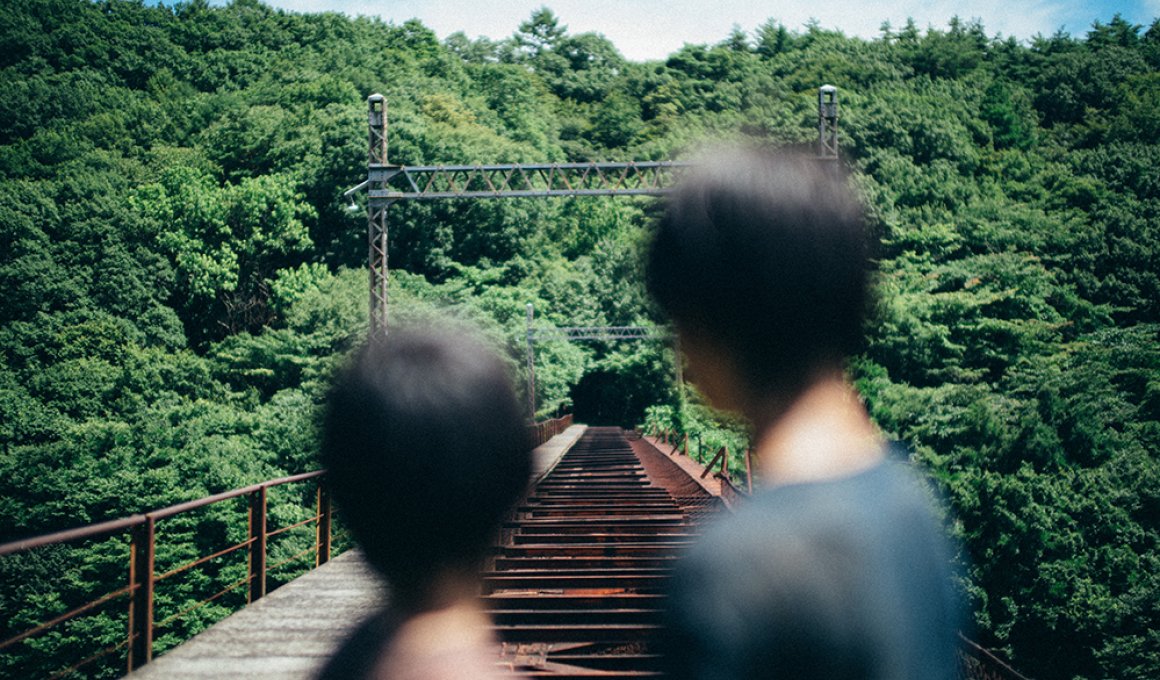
(653, 29)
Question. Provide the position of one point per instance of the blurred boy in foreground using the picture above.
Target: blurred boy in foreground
(426, 451)
(839, 570)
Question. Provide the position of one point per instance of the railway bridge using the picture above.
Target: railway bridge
(575, 586)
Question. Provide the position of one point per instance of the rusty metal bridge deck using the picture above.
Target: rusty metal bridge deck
(577, 588)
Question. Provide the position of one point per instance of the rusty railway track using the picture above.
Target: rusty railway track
(578, 582)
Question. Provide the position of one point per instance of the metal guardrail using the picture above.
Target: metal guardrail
(730, 492)
(544, 430)
(143, 577)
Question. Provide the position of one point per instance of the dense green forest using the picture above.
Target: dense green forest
(180, 274)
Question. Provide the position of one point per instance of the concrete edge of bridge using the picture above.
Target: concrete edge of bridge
(287, 635)
(547, 455)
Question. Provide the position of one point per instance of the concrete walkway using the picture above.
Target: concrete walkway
(287, 634)
(546, 456)
(290, 633)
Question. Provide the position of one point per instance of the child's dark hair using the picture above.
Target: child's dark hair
(764, 251)
(427, 450)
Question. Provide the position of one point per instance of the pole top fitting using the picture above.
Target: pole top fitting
(375, 98)
(827, 89)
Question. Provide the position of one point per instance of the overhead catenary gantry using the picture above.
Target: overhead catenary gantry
(387, 183)
(601, 333)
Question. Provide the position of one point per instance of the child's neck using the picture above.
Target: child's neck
(824, 434)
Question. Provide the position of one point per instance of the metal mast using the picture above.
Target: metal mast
(828, 122)
(531, 365)
(377, 211)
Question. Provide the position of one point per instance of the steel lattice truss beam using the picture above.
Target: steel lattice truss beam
(388, 183)
(599, 333)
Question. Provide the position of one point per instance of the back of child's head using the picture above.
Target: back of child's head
(765, 251)
(427, 451)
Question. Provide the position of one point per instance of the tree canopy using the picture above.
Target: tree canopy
(181, 275)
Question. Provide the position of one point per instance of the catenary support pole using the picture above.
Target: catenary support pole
(828, 122)
(531, 365)
(377, 212)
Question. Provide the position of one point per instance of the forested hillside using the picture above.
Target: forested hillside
(180, 274)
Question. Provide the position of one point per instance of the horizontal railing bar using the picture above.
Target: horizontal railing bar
(226, 495)
(66, 616)
(290, 559)
(109, 528)
(290, 527)
(233, 586)
(69, 535)
(186, 567)
(113, 526)
(84, 662)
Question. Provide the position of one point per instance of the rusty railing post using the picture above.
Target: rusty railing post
(721, 454)
(322, 552)
(686, 444)
(142, 550)
(258, 543)
(748, 470)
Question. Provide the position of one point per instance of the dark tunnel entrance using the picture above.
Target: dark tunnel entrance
(606, 398)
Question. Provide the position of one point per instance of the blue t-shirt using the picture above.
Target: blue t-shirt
(846, 578)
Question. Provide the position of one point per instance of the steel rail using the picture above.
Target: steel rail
(141, 632)
(89, 606)
(226, 495)
(201, 603)
(291, 527)
(296, 556)
(88, 660)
